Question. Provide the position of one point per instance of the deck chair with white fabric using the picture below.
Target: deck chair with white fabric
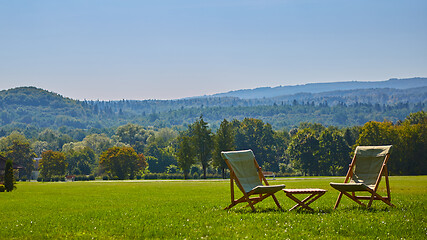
(364, 175)
(247, 175)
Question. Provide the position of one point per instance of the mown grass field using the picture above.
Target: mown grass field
(194, 210)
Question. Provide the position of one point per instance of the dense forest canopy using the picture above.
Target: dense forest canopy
(30, 107)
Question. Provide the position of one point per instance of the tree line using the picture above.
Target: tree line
(30, 107)
(131, 150)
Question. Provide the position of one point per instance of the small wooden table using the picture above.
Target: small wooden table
(315, 193)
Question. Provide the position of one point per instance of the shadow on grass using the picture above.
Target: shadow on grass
(247, 210)
(364, 209)
(315, 212)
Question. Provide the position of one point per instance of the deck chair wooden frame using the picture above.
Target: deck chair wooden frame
(349, 188)
(257, 193)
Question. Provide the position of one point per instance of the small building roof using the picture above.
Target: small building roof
(3, 164)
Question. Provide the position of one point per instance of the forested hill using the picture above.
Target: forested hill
(26, 107)
(324, 87)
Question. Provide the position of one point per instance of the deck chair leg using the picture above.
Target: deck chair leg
(251, 202)
(389, 203)
(251, 205)
(385, 200)
(354, 198)
(276, 201)
(235, 202)
(338, 200)
(387, 185)
(371, 200)
(230, 206)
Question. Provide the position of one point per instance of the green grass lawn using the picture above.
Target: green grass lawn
(194, 210)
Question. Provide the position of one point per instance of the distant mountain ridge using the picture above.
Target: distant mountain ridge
(270, 92)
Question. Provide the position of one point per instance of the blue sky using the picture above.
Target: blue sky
(109, 50)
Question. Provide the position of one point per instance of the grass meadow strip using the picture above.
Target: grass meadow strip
(194, 210)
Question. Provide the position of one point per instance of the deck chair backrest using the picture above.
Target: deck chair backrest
(243, 164)
(368, 163)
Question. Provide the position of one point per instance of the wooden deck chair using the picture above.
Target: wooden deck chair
(248, 176)
(365, 173)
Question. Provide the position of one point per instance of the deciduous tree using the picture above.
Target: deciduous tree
(223, 141)
(185, 154)
(5, 142)
(120, 162)
(158, 157)
(202, 141)
(134, 135)
(80, 161)
(333, 153)
(254, 134)
(98, 142)
(20, 153)
(52, 164)
(302, 150)
(377, 133)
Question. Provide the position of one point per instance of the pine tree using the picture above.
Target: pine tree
(8, 176)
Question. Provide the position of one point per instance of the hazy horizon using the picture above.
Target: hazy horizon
(89, 99)
(136, 50)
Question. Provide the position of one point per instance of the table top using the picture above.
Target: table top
(304, 190)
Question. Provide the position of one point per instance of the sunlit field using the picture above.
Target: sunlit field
(194, 210)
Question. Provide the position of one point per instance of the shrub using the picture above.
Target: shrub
(2, 188)
(150, 176)
(162, 176)
(91, 177)
(175, 176)
(23, 178)
(210, 176)
(105, 178)
(195, 169)
(172, 169)
(83, 178)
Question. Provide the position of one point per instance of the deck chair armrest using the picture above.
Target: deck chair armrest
(261, 174)
(349, 174)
